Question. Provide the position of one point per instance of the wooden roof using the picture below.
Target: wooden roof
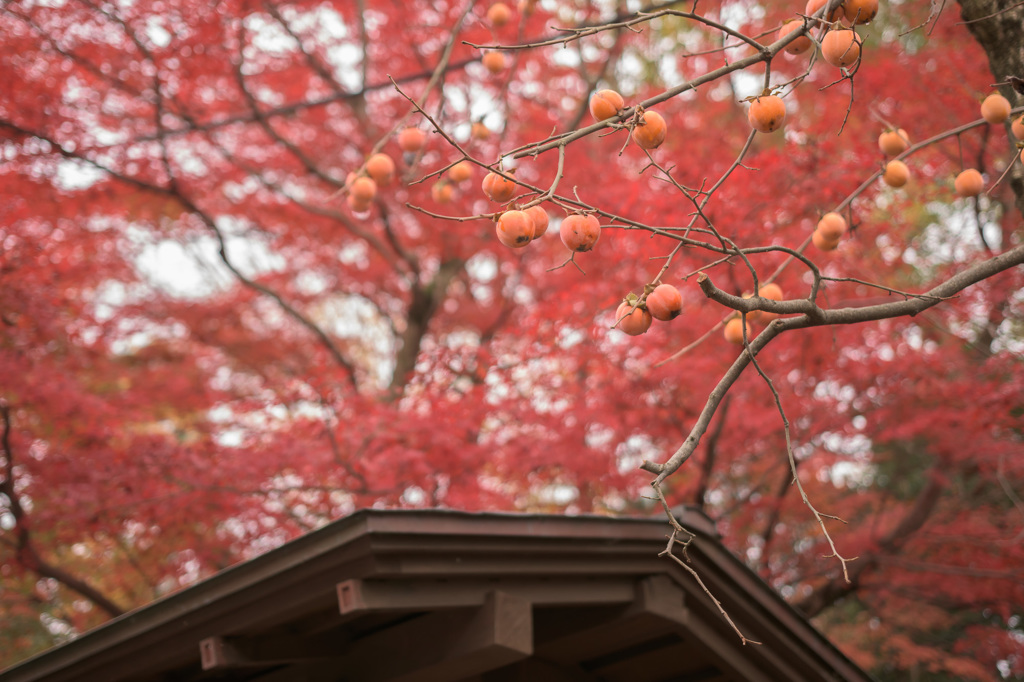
(429, 596)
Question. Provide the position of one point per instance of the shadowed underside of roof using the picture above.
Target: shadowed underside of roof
(403, 596)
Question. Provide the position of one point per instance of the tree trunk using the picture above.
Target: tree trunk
(997, 28)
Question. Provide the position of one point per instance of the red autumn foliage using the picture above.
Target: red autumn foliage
(205, 353)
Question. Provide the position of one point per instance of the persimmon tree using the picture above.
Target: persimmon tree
(252, 278)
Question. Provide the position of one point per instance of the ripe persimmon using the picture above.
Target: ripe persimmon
(540, 220)
(832, 226)
(363, 189)
(813, 6)
(1017, 128)
(515, 229)
(995, 108)
(633, 323)
(442, 191)
(733, 331)
(498, 188)
(356, 205)
(650, 130)
(461, 171)
(799, 45)
(479, 131)
(860, 11)
(499, 14)
(493, 61)
(773, 292)
(822, 242)
(841, 47)
(753, 315)
(411, 140)
(969, 183)
(606, 104)
(767, 114)
(580, 232)
(893, 142)
(665, 302)
(381, 168)
(896, 174)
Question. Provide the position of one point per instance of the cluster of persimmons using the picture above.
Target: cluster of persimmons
(516, 227)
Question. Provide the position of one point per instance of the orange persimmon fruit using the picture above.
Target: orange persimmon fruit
(381, 168)
(841, 47)
(813, 6)
(860, 11)
(580, 232)
(356, 205)
(767, 114)
(461, 171)
(969, 183)
(821, 242)
(540, 220)
(411, 140)
(493, 61)
(733, 331)
(515, 229)
(499, 14)
(363, 189)
(665, 302)
(773, 292)
(799, 45)
(633, 323)
(753, 315)
(896, 174)
(995, 108)
(893, 142)
(442, 191)
(832, 227)
(606, 104)
(1017, 128)
(650, 131)
(479, 131)
(498, 188)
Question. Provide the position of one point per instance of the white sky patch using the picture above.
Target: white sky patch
(482, 267)
(557, 494)
(185, 270)
(156, 32)
(630, 69)
(347, 58)
(194, 269)
(75, 175)
(568, 337)
(311, 283)
(355, 254)
(632, 452)
(735, 13)
(267, 36)
(953, 238)
(414, 496)
(747, 84)
(326, 27)
(455, 98)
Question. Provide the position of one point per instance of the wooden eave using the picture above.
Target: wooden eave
(404, 596)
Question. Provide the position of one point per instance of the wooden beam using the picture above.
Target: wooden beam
(657, 608)
(361, 596)
(224, 653)
(742, 661)
(534, 669)
(446, 645)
